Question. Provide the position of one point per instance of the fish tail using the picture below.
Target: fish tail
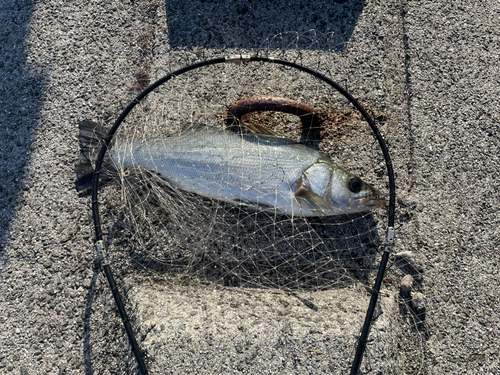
(91, 140)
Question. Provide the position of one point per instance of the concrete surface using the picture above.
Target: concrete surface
(430, 67)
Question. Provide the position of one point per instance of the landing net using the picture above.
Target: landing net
(156, 231)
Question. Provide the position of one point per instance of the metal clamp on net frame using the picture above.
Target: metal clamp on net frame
(100, 242)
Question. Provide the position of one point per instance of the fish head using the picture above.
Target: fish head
(327, 189)
(351, 194)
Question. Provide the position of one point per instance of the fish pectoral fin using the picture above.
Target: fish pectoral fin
(313, 201)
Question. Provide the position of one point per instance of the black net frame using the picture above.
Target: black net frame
(100, 243)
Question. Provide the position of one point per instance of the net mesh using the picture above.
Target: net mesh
(169, 230)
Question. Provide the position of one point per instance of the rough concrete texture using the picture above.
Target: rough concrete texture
(430, 67)
(211, 329)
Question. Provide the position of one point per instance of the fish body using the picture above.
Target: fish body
(257, 170)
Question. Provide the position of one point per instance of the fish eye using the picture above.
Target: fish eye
(355, 185)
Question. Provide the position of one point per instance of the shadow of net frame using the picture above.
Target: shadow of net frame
(233, 278)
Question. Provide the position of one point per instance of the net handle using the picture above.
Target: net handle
(238, 60)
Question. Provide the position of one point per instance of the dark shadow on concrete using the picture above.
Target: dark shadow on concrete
(20, 95)
(249, 23)
(87, 347)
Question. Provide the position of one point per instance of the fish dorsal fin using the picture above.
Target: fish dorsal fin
(252, 128)
(246, 126)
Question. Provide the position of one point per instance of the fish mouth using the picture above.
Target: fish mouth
(375, 203)
(371, 201)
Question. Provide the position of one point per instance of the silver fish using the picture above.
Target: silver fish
(256, 170)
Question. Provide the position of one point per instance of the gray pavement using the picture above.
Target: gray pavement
(453, 86)
(430, 67)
